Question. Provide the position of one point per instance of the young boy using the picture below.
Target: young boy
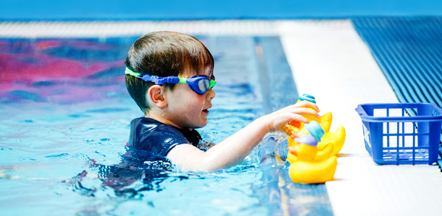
(170, 77)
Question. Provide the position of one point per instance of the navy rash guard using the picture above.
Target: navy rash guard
(157, 138)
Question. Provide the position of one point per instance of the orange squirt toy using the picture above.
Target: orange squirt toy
(293, 128)
(305, 169)
(309, 98)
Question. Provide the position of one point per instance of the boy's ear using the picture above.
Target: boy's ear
(157, 95)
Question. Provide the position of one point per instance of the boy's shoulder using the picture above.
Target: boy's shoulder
(152, 135)
(150, 125)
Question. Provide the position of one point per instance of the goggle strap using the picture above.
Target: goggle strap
(169, 79)
(161, 80)
(156, 79)
(130, 72)
(182, 80)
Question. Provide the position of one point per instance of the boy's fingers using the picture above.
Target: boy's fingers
(298, 117)
(307, 104)
(303, 110)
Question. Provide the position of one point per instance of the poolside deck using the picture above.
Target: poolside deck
(331, 55)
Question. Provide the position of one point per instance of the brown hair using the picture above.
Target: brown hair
(164, 54)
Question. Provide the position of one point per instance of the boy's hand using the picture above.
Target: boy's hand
(276, 120)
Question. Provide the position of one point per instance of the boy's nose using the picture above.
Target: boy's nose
(211, 94)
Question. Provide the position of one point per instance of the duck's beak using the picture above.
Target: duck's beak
(293, 150)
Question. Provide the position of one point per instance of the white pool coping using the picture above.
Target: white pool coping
(330, 61)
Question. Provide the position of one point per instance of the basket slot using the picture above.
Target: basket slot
(405, 134)
(406, 148)
(409, 127)
(405, 127)
(393, 141)
(395, 112)
(406, 154)
(380, 112)
(410, 141)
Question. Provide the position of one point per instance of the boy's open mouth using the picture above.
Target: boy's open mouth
(206, 111)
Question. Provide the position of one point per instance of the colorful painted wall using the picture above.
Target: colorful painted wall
(61, 70)
(216, 9)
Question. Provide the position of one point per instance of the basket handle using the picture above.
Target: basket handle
(359, 110)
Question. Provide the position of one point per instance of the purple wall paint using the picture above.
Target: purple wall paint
(61, 70)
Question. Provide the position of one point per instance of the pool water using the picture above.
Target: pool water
(65, 120)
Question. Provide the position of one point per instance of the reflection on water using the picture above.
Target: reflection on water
(120, 177)
(65, 120)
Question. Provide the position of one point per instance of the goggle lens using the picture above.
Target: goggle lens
(199, 84)
(204, 85)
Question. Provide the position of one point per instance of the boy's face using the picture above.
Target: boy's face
(186, 108)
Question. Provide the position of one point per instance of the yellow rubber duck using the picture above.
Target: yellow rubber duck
(292, 146)
(324, 151)
(331, 140)
(305, 169)
(336, 138)
(314, 129)
(326, 121)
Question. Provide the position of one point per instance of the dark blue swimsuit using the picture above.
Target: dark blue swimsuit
(150, 139)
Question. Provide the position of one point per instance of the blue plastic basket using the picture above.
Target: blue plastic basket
(407, 133)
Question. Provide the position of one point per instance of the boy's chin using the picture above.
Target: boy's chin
(200, 125)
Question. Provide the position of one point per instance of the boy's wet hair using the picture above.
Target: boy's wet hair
(164, 54)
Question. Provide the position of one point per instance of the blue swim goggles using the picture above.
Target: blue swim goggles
(199, 84)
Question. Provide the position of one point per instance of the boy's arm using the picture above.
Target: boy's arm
(236, 147)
